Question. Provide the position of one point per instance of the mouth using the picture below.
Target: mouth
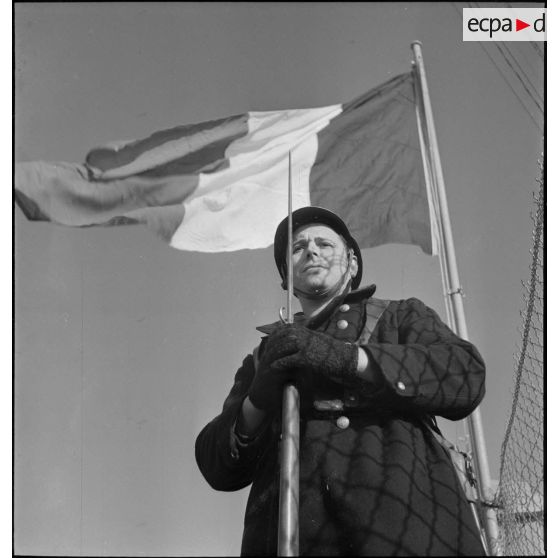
(310, 267)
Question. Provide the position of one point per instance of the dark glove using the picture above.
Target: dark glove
(272, 373)
(318, 353)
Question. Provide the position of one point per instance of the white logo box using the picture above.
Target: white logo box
(502, 24)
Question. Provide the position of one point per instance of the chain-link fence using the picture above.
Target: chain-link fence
(520, 497)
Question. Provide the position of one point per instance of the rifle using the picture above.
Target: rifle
(287, 536)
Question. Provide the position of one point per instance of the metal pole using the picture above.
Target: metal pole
(456, 301)
(290, 318)
(287, 535)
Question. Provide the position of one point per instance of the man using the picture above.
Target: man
(371, 374)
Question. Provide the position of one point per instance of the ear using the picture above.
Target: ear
(353, 264)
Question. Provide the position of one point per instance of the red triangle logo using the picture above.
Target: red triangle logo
(519, 25)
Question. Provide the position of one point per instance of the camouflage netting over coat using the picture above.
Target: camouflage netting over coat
(381, 485)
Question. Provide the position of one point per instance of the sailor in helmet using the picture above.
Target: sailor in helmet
(372, 375)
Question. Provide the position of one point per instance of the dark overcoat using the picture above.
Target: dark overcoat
(375, 482)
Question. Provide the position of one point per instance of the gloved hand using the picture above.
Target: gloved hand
(272, 373)
(319, 353)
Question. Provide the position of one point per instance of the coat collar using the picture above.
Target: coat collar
(353, 296)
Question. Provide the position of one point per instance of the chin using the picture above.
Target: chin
(314, 281)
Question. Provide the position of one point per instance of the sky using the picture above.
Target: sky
(124, 348)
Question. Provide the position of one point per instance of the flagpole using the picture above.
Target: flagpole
(287, 534)
(455, 294)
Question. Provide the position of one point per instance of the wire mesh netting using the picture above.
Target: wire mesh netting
(520, 497)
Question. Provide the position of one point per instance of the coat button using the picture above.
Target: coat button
(401, 386)
(344, 308)
(342, 324)
(343, 422)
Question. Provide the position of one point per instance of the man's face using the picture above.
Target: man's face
(320, 257)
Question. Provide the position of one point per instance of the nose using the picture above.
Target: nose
(311, 249)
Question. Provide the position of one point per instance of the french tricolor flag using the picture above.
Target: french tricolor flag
(222, 185)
